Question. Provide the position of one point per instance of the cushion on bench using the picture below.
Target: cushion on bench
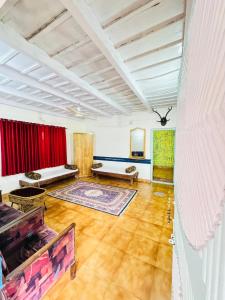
(114, 170)
(71, 167)
(97, 165)
(49, 174)
(130, 169)
(33, 175)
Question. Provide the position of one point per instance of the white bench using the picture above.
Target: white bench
(48, 176)
(116, 173)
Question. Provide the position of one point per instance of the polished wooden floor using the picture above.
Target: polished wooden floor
(126, 257)
(163, 174)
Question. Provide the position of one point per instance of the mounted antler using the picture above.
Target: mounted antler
(163, 120)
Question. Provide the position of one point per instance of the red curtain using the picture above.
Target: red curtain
(26, 146)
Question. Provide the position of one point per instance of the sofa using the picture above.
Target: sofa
(33, 256)
(48, 176)
(115, 172)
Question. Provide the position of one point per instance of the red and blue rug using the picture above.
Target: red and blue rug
(106, 198)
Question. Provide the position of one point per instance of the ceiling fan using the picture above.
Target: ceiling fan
(76, 110)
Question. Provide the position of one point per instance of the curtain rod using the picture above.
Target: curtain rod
(3, 119)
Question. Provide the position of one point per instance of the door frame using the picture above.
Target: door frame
(152, 155)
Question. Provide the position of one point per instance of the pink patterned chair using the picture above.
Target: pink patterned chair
(33, 256)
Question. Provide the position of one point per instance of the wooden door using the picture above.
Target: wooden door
(83, 153)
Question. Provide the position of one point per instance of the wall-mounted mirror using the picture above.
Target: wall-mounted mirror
(137, 143)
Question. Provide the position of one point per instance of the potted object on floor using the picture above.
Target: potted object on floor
(28, 197)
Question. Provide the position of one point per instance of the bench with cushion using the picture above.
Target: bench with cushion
(115, 172)
(49, 176)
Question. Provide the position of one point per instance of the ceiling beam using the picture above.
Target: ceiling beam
(161, 92)
(98, 72)
(148, 31)
(103, 81)
(16, 41)
(10, 103)
(5, 6)
(155, 105)
(158, 76)
(8, 56)
(31, 68)
(165, 46)
(83, 15)
(164, 102)
(163, 96)
(125, 12)
(156, 64)
(20, 94)
(71, 47)
(49, 26)
(22, 78)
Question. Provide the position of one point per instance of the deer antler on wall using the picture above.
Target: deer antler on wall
(163, 120)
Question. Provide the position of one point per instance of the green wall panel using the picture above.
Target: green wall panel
(163, 148)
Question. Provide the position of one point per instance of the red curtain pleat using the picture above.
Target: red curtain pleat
(26, 146)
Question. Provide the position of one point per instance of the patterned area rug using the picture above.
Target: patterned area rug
(106, 198)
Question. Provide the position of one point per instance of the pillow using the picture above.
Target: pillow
(70, 167)
(130, 169)
(97, 165)
(33, 175)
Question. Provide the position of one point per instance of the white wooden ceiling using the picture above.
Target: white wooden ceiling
(101, 57)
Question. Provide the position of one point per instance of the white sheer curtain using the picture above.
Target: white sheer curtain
(200, 147)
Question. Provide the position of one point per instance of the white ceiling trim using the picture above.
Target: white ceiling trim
(8, 56)
(17, 42)
(83, 15)
(19, 105)
(17, 93)
(22, 78)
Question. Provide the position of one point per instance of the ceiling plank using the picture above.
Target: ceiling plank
(87, 61)
(17, 76)
(148, 31)
(49, 26)
(156, 64)
(98, 72)
(125, 12)
(31, 68)
(5, 6)
(8, 56)
(71, 47)
(83, 15)
(164, 102)
(10, 103)
(20, 94)
(158, 76)
(174, 43)
(16, 41)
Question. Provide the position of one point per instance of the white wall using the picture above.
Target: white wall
(112, 136)
(11, 182)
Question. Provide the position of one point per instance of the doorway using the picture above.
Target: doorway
(163, 142)
(83, 153)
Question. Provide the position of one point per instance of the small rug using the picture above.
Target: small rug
(159, 194)
(106, 198)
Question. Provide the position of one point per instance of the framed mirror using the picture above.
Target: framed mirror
(137, 143)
